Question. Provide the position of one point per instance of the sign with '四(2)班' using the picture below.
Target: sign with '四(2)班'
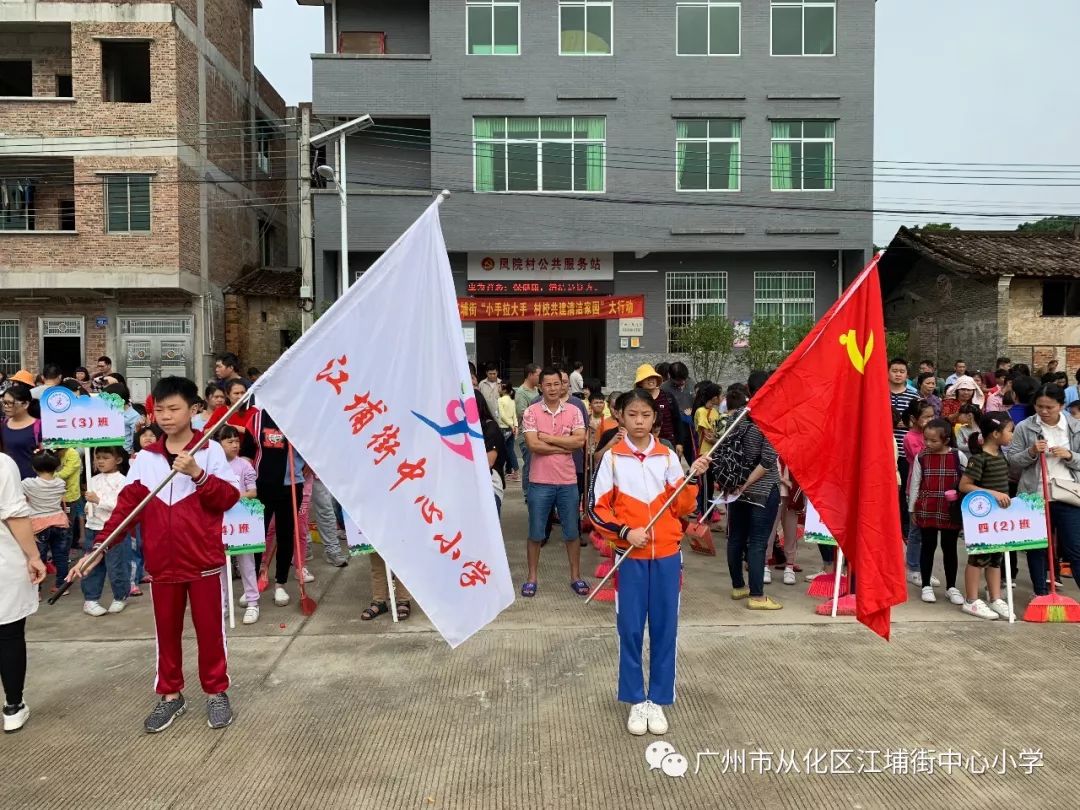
(990, 527)
(69, 419)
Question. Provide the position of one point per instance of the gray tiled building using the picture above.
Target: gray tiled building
(712, 157)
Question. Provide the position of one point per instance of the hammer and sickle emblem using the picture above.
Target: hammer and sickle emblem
(858, 358)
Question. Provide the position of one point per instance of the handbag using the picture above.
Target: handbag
(1065, 492)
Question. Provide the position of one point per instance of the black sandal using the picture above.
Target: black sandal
(404, 609)
(374, 611)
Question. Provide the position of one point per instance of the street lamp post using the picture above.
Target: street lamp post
(341, 133)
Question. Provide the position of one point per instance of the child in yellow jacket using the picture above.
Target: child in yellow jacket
(633, 481)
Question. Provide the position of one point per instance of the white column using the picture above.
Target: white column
(343, 194)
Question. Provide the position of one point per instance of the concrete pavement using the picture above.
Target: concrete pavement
(777, 710)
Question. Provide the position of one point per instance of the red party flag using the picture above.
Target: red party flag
(826, 411)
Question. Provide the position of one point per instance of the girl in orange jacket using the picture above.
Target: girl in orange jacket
(633, 482)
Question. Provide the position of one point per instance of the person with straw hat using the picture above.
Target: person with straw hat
(671, 424)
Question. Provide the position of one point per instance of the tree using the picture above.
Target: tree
(1050, 225)
(896, 344)
(771, 340)
(937, 227)
(710, 343)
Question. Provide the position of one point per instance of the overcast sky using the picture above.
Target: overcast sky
(958, 81)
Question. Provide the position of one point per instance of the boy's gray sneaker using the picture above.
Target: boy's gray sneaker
(337, 560)
(218, 712)
(164, 713)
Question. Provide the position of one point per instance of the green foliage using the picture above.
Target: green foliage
(1050, 224)
(937, 226)
(710, 344)
(896, 344)
(770, 341)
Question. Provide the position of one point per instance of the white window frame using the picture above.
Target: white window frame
(492, 4)
(802, 139)
(694, 299)
(586, 4)
(18, 348)
(710, 5)
(149, 199)
(802, 4)
(539, 153)
(786, 298)
(707, 140)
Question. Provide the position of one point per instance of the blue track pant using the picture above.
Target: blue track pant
(648, 589)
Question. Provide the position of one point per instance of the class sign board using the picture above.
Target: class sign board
(72, 420)
(242, 528)
(990, 528)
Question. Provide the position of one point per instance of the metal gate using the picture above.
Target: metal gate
(153, 348)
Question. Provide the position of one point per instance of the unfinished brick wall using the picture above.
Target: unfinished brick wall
(1045, 338)
(254, 326)
(48, 49)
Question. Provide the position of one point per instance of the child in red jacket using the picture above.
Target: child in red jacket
(182, 549)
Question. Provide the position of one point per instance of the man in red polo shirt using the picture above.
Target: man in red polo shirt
(553, 431)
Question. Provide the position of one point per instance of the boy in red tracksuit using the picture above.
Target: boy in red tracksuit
(182, 549)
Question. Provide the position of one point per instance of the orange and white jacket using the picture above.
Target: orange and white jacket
(630, 487)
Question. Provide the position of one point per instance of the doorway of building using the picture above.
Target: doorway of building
(567, 341)
(509, 345)
(62, 343)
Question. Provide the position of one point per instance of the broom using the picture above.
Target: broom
(1051, 608)
(838, 605)
(307, 604)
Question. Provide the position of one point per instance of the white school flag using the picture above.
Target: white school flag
(377, 397)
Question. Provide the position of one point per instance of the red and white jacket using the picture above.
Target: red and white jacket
(630, 487)
(181, 526)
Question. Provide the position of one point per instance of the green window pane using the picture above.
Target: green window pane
(558, 171)
(589, 167)
(787, 30)
(592, 128)
(479, 30)
(692, 165)
(522, 167)
(786, 129)
(520, 128)
(819, 129)
(693, 30)
(489, 127)
(818, 167)
(723, 128)
(499, 166)
(723, 166)
(117, 200)
(485, 167)
(139, 200)
(598, 30)
(572, 29)
(506, 29)
(724, 31)
(692, 128)
(819, 30)
(556, 127)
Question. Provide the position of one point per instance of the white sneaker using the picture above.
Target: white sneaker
(117, 606)
(658, 723)
(638, 723)
(812, 577)
(93, 609)
(1001, 608)
(308, 576)
(928, 594)
(934, 581)
(281, 596)
(789, 576)
(914, 577)
(979, 608)
(242, 601)
(955, 596)
(251, 615)
(15, 721)
(768, 576)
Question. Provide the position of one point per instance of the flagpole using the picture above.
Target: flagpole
(836, 582)
(734, 423)
(391, 591)
(102, 547)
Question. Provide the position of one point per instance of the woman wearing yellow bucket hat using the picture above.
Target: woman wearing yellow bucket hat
(670, 422)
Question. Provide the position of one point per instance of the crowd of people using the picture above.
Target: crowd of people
(585, 459)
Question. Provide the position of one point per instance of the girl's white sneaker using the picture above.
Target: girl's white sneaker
(955, 596)
(638, 723)
(251, 615)
(242, 601)
(15, 717)
(93, 609)
(1001, 608)
(117, 606)
(928, 594)
(768, 576)
(281, 596)
(658, 723)
(789, 576)
(979, 609)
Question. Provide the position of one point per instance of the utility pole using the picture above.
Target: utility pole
(307, 236)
